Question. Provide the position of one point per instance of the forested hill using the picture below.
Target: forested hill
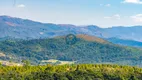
(80, 49)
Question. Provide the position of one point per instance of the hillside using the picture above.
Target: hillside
(70, 48)
(91, 38)
(71, 72)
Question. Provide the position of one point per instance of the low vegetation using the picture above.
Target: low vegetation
(71, 72)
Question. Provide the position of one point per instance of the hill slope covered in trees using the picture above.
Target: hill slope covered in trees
(70, 48)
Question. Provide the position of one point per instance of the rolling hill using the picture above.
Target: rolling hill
(91, 38)
(79, 49)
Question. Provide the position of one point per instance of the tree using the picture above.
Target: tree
(0, 64)
(71, 39)
(26, 63)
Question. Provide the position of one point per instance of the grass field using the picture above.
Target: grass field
(57, 62)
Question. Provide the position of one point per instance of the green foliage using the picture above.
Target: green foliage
(71, 72)
(71, 39)
(26, 63)
(0, 64)
(79, 50)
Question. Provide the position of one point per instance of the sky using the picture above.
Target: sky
(103, 13)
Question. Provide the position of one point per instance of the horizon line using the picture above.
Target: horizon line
(83, 25)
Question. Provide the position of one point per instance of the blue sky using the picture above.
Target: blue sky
(104, 13)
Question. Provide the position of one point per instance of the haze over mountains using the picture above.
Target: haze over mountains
(11, 27)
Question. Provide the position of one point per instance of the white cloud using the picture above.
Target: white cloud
(137, 18)
(41, 33)
(133, 1)
(116, 16)
(108, 5)
(21, 6)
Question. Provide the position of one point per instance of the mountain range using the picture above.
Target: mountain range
(11, 27)
(125, 42)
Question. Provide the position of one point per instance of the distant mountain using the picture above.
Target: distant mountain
(26, 29)
(125, 42)
(85, 49)
(20, 28)
(130, 33)
(11, 27)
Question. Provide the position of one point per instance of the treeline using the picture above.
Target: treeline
(71, 72)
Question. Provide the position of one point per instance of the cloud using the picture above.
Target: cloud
(21, 6)
(107, 5)
(116, 16)
(133, 1)
(137, 18)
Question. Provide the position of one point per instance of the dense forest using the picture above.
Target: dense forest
(71, 72)
(69, 48)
